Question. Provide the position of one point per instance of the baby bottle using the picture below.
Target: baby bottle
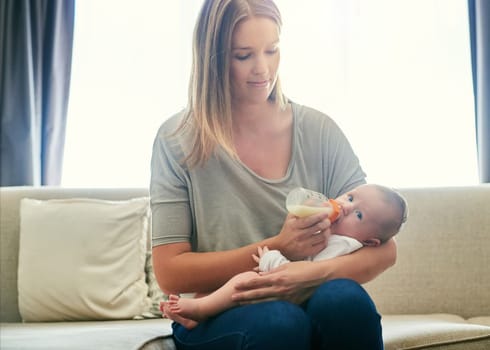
(302, 202)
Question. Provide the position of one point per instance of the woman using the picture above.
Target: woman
(221, 170)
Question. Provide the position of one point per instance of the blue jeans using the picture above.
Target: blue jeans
(339, 315)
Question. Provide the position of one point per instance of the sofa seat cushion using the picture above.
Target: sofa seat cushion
(484, 320)
(433, 330)
(90, 335)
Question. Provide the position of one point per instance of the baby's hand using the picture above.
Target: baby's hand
(260, 253)
(263, 250)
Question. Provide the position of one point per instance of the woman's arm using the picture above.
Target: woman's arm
(364, 264)
(179, 270)
(297, 280)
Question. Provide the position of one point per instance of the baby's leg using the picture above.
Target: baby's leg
(199, 309)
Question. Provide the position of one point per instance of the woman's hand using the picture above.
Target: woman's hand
(294, 282)
(297, 280)
(303, 237)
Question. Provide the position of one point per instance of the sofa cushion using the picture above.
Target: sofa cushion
(430, 331)
(87, 335)
(442, 261)
(483, 320)
(82, 259)
(154, 292)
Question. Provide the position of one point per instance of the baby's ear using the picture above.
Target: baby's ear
(371, 242)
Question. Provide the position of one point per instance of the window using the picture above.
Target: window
(394, 74)
(129, 72)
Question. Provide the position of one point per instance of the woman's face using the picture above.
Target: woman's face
(254, 60)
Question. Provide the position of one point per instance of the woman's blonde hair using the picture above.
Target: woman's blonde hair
(208, 113)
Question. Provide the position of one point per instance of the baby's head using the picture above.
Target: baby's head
(371, 214)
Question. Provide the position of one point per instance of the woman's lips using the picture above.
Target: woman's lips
(262, 83)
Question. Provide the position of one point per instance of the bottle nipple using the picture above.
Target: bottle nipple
(336, 210)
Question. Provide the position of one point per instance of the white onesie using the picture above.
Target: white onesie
(337, 245)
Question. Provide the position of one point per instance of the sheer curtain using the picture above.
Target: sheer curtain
(394, 74)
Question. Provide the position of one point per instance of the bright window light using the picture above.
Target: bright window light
(394, 74)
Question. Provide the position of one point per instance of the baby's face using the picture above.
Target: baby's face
(361, 213)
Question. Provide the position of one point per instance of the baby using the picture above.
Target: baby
(369, 215)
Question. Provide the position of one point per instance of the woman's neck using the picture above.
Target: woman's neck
(263, 139)
(257, 118)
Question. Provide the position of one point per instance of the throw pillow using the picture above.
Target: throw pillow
(155, 293)
(82, 259)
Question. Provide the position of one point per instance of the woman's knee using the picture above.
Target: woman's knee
(268, 325)
(342, 295)
(341, 311)
(279, 325)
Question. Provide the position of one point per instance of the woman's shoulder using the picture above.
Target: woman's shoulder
(171, 124)
(310, 117)
(169, 141)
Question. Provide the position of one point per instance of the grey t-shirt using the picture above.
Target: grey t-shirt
(223, 204)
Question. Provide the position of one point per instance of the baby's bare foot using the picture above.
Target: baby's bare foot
(170, 310)
(186, 307)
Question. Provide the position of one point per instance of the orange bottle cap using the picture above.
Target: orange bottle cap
(336, 210)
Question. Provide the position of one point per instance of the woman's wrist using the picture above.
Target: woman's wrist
(271, 243)
(322, 271)
(362, 266)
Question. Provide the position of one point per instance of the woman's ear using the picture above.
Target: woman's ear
(371, 242)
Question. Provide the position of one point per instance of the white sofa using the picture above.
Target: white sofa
(437, 296)
(146, 333)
